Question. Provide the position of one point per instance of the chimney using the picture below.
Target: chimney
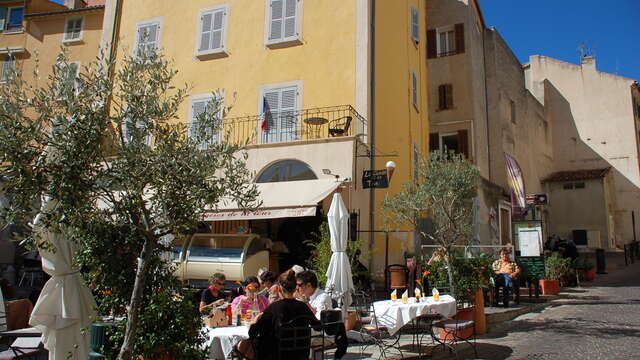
(74, 4)
(589, 62)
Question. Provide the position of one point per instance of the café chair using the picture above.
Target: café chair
(25, 348)
(340, 127)
(455, 333)
(371, 331)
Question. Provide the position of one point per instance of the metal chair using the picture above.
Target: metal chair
(454, 334)
(371, 330)
(340, 127)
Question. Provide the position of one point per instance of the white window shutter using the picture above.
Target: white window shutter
(217, 29)
(414, 88)
(290, 18)
(276, 19)
(198, 107)
(289, 99)
(415, 25)
(205, 32)
(287, 114)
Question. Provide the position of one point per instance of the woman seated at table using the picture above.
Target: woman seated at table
(269, 288)
(264, 331)
(250, 300)
(213, 296)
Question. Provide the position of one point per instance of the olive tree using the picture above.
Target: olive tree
(108, 147)
(443, 190)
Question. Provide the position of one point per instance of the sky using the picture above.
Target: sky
(556, 28)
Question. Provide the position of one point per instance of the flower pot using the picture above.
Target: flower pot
(462, 314)
(587, 275)
(550, 287)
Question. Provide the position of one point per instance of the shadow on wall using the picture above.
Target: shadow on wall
(571, 152)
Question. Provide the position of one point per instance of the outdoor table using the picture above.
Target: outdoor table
(395, 314)
(222, 340)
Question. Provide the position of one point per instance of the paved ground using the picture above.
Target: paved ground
(598, 321)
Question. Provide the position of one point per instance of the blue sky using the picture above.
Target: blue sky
(555, 28)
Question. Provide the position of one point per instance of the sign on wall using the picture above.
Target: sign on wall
(375, 179)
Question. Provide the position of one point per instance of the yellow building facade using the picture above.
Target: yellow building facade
(346, 80)
(36, 31)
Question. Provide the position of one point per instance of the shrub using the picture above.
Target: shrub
(556, 267)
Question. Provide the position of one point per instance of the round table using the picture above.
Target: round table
(395, 314)
(222, 340)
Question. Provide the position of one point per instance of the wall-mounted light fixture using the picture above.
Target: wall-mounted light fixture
(391, 166)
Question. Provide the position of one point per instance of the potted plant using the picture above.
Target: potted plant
(584, 268)
(556, 268)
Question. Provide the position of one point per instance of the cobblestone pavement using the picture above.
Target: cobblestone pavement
(598, 321)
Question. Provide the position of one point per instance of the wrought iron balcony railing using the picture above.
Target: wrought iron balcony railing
(288, 126)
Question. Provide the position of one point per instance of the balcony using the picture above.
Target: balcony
(291, 126)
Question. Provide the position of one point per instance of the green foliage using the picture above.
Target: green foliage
(582, 262)
(321, 256)
(556, 266)
(469, 274)
(444, 189)
(106, 148)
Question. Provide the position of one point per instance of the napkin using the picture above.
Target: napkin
(394, 293)
(418, 292)
(405, 294)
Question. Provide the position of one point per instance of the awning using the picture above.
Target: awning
(279, 200)
(12, 50)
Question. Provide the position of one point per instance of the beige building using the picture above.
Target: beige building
(596, 124)
(479, 106)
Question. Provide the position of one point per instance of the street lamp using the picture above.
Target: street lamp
(391, 166)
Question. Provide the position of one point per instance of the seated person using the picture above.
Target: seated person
(250, 300)
(507, 271)
(270, 289)
(212, 296)
(265, 330)
(308, 291)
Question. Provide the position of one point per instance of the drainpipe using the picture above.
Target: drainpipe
(115, 30)
(486, 105)
(372, 123)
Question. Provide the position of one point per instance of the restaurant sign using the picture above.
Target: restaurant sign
(260, 214)
(376, 179)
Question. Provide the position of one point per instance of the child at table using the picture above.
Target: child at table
(250, 300)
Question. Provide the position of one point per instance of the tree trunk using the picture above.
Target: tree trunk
(450, 274)
(126, 351)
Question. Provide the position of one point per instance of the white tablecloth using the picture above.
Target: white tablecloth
(223, 339)
(394, 314)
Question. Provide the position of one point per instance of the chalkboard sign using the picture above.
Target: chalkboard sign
(375, 179)
(532, 266)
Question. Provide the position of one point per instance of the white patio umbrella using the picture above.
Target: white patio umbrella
(339, 279)
(65, 305)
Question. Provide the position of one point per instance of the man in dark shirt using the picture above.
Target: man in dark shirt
(213, 296)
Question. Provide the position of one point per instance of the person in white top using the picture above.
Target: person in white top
(307, 287)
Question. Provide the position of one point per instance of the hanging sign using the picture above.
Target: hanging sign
(375, 179)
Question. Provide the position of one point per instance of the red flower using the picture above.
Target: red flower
(419, 281)
(425, 273)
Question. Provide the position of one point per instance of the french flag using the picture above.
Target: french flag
(265, 112)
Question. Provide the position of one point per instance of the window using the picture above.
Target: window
(578, 185)
(445, 41)
(458, 142)
(131, 130)
(8, 67)
(414, 89)
(199, 108)
(283, 20)
(512, 108)
(445, 97)
(147, 38)
(11, 18)
(567, 186)
(73, 29)
(212, 36)
(415, 25)
(279, 121)
(286, 170)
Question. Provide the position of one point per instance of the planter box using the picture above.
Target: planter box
(587, 275)
(550, 287)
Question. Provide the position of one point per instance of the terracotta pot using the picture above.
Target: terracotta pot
(587, 275)
(479, 316)
(463, 314)
(550, 287)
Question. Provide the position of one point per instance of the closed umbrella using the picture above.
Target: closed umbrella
(65, 306)
(339, 279)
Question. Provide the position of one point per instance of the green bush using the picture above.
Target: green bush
(582, 262)
(469, 274)
(321, 256)
(556, 267)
